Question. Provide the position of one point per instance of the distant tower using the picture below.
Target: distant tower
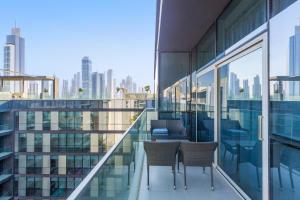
(246, 88)
(65, 89)
(14, 58)
(109, 86)
(234, 89)
(86, 71)
(294, 62)
(256, 90)
(102, 85)
(95, 85)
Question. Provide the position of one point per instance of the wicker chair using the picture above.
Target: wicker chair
(198, 154)
(161, 154)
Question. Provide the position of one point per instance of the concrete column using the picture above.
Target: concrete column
(22, 186)
(86, 115)
(62, 162)
(94, 142)
(46, 186)
(22, 164)
(46, 142)
(46, 164)
(54, 120)
(22, 120)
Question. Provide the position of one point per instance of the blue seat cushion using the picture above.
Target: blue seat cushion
(160, 131)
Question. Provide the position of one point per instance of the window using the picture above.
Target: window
(46, 121)
(86, 164)
(238, 20)
(33, 186)
(78, 120)
(54, 164)
(70, 142)
(78, 142)
(38, 142)
(86, 143)
(54, 142)
(22, 142)
(284, 113)
(70, 120)
(78, 165)
(34, 164)
(30, 120)
(62, 142)
(205, 107)
(70, 165)
(94, 120)
(62, 120)
(278, 5)
(94, 161)
(206, 49)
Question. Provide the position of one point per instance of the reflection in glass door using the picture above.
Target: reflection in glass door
(240, 107)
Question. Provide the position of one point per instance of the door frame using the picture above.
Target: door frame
(260, 41)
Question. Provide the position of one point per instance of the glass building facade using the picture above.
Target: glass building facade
(239, 85)
(54, 144)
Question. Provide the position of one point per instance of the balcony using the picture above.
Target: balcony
(5, 130)
(121, 174)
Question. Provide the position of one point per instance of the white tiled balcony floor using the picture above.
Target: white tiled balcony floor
(161, 185)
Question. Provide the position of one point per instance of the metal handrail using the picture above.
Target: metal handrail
(93, 172)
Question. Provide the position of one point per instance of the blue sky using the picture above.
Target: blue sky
(117, 34)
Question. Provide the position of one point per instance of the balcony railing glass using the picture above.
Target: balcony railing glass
(118, 173)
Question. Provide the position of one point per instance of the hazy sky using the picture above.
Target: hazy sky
(117, 34)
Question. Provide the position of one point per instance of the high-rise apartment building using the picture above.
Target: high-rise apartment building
(129, 83)
(14, 59)
(86, 74)
(65, 89)
(109, 85)
(294, 62)
(96, 85)
(48, 146)
(102, 85)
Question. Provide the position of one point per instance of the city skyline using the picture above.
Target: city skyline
(73, 36)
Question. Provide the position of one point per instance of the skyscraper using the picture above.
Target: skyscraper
(14, 58)
(109, 86)
(234, 89)
(102, 85)
(65, 89)
(86, 70)
(294, 62)
(129, 83)
(96, 85)
(246, 88)
(256, 90)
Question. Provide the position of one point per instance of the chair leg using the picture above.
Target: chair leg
(184, 169)
(212, 178)
(257, 177)
(148, 177)
(178, 164)
(279, 176)
(174, 175)
(291, 177)
(128, 175)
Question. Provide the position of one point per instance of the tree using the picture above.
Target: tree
(147, 88)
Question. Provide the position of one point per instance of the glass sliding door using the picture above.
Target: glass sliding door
(240, 119)
(205, 107)
(284, 125)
